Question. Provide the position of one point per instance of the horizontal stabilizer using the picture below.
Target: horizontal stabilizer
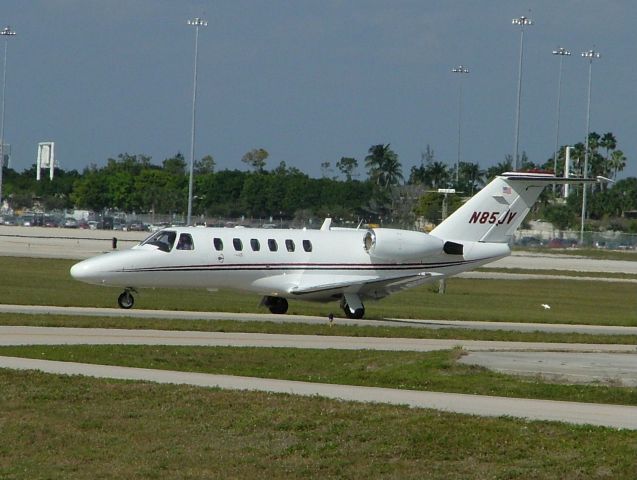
(550, 178)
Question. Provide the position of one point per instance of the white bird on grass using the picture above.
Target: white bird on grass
(546, 306)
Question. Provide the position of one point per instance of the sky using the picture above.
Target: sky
(312, 81)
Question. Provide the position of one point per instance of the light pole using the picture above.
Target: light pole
(522, 22)
(461, 70)
(6, 33)
(561, 52)
(196, 22)
(590, 55)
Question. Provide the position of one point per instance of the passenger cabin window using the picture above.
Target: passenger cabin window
(256, 246)
(307, 245)
(289, 244)
(185, 242)
(238, 244)
(164, 240)
(272, 245)
(218, 243)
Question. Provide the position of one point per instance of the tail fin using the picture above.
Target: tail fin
(496, 211)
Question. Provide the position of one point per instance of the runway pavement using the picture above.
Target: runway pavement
(571, 412)
(19, 335)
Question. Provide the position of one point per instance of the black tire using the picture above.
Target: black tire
(126, 300)
(277, 305)
(356, 314)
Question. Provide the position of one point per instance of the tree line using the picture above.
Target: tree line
(133, 183)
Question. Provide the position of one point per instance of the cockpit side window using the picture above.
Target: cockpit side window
(164, 240)
(185, 242)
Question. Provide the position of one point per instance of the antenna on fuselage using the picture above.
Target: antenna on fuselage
(327, 223)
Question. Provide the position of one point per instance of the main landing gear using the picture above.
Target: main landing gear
(352, 306)
(126, 299)
(277, 305)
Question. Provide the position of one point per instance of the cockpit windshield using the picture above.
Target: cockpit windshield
(164, 240)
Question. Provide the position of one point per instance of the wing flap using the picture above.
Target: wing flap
(373, 287)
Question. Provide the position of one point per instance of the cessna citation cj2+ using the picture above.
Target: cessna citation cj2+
(346, 264)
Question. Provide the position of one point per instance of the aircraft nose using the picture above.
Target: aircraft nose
(90, 271)
(81, 271)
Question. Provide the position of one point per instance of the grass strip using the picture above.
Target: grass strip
(433, 371)
(82, 428)
(307, 329)
(31, 281)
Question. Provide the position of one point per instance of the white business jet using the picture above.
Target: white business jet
(331, 264)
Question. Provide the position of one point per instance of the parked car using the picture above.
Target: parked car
(70, 223)
(530, 242)
(562, 243)
(135, 226)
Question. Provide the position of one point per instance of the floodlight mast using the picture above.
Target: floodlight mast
(590, 55)
(561, 52)
(462, 70)
(196, 22)
(7, 33)
(522, 22)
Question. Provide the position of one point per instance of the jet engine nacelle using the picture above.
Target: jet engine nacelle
(401, 245)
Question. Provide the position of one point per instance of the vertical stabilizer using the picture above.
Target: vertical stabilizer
(496, 211)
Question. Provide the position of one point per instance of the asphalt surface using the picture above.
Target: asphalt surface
(615, 416)
(18, 335)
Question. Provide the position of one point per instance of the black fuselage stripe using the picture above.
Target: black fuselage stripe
(300, 267)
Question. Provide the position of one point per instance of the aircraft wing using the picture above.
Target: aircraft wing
(372, 287)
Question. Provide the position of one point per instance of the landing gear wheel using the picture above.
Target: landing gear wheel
(276, 305)
(126, 300)
(356, 314)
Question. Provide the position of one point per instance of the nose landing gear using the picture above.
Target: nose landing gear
(126, 299)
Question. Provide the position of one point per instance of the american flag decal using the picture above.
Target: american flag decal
(506, 190)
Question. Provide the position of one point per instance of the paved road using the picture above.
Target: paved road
(18, 335)
(616, 416)
(313, 320)
(539, 261)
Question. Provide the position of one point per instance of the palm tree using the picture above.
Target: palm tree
(383, 165)
(437, 174)
(617, 162)
(608, 142)
(501, 167)
(471, 175)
